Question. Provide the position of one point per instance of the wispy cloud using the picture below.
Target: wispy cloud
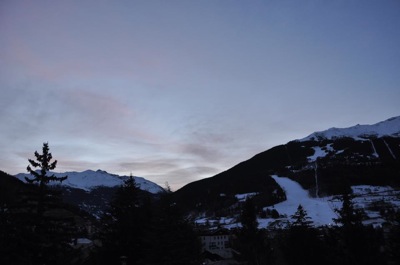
(186, 90)
(178, 178)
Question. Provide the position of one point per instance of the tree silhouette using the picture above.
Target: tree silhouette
(348, 215)
(358, 244)
(48, 227)
(252, 244)
(173, 239)
(35, 226)
(300, 218)
(44, 163)
(122, 231)
(300, 243)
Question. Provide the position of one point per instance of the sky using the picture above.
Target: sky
(177, 91)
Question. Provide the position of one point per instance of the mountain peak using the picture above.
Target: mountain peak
(389, 127)
(90, 179)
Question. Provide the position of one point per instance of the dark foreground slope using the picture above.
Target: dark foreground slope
(249, 176)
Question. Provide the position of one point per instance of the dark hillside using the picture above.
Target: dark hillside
(249, 176)
(338, 164)
(10, 187)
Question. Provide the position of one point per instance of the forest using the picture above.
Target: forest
(37, 227)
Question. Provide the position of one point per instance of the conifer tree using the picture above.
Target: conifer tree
(348, 215)
(41, 177)
(45, 164)
(301, 219)
(125, 225)
(358, 244)
(301, 244)
(393, 240)
(45, 227)
(248, 218)
(174, 241)
(252, 244)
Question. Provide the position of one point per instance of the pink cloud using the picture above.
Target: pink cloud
(105, 115)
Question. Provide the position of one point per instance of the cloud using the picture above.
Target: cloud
(155, 166)
(180, 177)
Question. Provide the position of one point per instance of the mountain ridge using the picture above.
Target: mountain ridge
(389, 127)
(89, 179)
(324, 165)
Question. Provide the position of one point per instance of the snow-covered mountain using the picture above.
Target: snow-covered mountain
(314, 171)
(89, 179)
(390, 127)
(321, 210)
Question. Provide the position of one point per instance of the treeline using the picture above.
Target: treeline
(36, 227)
(349, 242)
(145, 231)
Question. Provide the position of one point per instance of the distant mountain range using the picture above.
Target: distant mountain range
(88, 180)
(92, 191)
(363, 160)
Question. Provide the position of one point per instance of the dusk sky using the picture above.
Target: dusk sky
(176, 91)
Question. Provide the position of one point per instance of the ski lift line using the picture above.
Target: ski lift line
(316, 178)
(390, 150)
(373, 147)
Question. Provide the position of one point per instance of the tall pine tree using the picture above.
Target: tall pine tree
(252, 243)
(40, 219)
(358, 244)
(125, 226)
(173, 239)
(301, 244)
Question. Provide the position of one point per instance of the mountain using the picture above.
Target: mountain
(89, 180)
(92, 191)
(363, 160)
(389, 127)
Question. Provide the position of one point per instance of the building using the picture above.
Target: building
(218, 243)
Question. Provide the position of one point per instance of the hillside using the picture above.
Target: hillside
(92, 190)
(89, 179)
(324, 164)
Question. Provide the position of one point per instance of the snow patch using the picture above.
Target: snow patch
(319, 209)
(390, 150)
(89, 179)
(318, 152)
(375, 154)
(242, 197)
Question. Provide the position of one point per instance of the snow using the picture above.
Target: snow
(390, 127)
(375, 154)
(318, 152)
(84, 241)
(319, 209)
(242, 197)
(365, 194)
(90, 179)
(390, 150)
(219, 221)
